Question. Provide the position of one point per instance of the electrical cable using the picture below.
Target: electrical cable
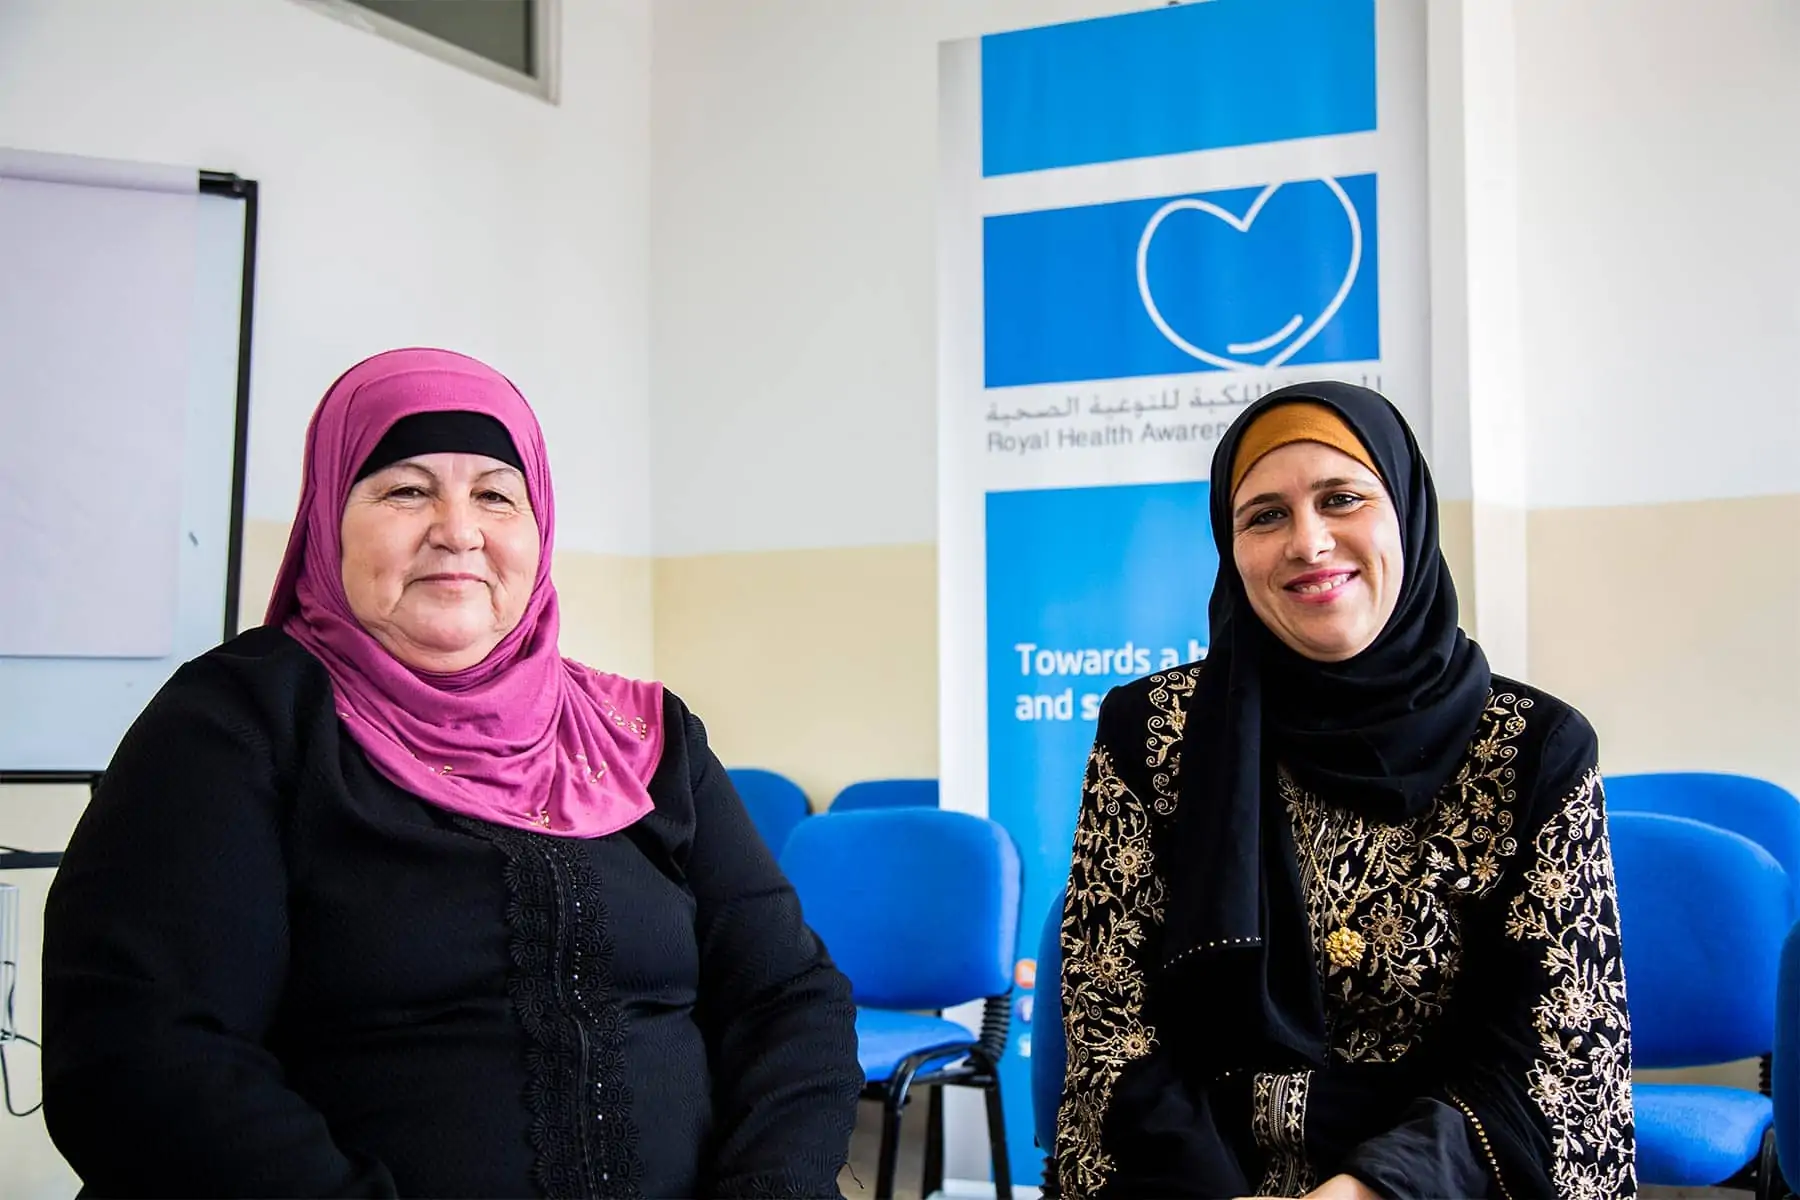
(5, 1074)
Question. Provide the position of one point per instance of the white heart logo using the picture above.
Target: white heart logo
(1242, 225)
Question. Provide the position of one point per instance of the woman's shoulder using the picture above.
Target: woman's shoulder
(1544, 716)
(1140, 725)
(262, 676)
(262, 657)
(685, 749)
(244, 706)
(1163, 694)
(1547, 739)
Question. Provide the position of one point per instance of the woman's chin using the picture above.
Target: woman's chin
(1328, 641)
(444, 648)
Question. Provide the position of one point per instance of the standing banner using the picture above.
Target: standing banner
(1145, 222)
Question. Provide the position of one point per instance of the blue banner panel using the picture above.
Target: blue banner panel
(1172, 80)
(1087, 588)
(1248, 277)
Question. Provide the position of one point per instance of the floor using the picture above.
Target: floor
(858, 1179)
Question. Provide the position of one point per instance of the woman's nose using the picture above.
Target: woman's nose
(456, 528)
(1309, 537)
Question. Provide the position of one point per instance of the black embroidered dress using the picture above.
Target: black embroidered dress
(1474, 1000)
(270, 971)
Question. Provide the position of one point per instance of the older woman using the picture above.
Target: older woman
(386, 897)
(1341, 920)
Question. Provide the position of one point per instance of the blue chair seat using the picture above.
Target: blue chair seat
(1696, 1135)
(909, 949)
(885, 1038)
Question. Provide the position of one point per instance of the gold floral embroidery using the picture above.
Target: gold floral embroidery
(1278, 1123)
(1169, 696)
(1115, 903)
(1393, 891)
(1582, 1082)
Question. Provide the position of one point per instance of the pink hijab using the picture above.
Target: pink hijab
(526, 738)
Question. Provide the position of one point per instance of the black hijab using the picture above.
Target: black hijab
(1380, 733)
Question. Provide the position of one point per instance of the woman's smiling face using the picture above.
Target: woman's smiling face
(1317, 542)
(440, 552)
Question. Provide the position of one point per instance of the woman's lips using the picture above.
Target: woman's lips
(1319, 587)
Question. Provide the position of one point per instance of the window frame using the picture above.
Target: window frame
(546, 49)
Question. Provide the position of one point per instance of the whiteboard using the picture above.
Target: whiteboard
(64, 701)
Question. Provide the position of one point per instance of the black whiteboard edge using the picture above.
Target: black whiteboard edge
(27, 860)
(224, 183)
(20, 860)
(90, 778)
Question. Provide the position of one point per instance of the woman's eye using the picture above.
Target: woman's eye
(1267, 516)
(405, 492)
(494, 498)
(1342, 500)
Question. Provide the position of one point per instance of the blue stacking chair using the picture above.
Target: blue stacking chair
(1764, 812)
(920, 908)
(887, 793)
(1702, 915)
(1049, 1052)
(775, 803)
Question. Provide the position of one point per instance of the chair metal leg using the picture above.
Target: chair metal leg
(932, 1180)
(996, 1119)
(1769, 1183)
(893, 1107)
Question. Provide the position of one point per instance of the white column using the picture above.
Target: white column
(1478, 441)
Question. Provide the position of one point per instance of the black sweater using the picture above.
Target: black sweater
(270, 971)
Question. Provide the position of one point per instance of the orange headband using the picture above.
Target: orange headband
(1286, 424)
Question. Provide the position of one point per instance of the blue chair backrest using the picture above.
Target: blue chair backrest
(887, 793)
(919, 907)
(1784, 1075)
(1764, 812)
(1702, 914)
(1049, 1054)
(775, 803)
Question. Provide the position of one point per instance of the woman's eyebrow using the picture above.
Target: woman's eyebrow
(1318, 485)
(1252, 502)
(410, 465)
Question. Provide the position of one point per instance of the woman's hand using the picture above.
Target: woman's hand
(1339, 1187)
(1343, 1187)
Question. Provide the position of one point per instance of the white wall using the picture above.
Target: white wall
(793, 326)
(405, 201)
(1659, 194)
(794, 149)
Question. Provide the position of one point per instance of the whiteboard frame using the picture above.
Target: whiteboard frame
(228, 185)
(223, 183)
